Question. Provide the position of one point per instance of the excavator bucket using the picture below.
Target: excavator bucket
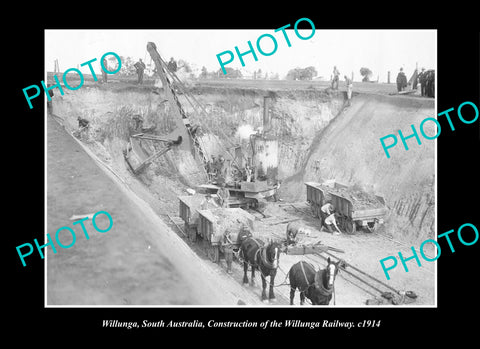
(135, 156)
(138, 158)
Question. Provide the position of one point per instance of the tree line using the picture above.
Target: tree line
(308, 73)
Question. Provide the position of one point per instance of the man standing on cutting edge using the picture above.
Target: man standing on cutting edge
(335, 79)
(140, 67)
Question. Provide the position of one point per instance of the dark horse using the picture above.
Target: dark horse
(263, 258)
(316, 285)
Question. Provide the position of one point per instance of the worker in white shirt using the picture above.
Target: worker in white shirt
(329, 222)
(326, 210)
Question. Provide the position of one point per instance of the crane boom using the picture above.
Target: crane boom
(184, 128)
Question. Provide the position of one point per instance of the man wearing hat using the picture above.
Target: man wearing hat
(223, 195)
(336, 75)
(401, 80)
(326, 210)
(227, 248)
(140, 67)
(327, 213)
(422, 78)
(172, 65)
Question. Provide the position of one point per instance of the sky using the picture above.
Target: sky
(349, 50)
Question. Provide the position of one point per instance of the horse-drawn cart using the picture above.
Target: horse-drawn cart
(189, 206)
(354, 207)
(213, 224)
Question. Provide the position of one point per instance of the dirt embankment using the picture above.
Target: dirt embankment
(318, 140)
(295, 118)
(349, 151)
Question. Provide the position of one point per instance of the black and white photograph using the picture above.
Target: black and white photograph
(282, 177)
(272, 180)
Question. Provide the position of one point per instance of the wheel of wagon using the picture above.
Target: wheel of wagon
(349, 226)
(213, 253)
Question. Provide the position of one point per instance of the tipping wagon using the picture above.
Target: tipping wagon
(213, 223)
(356, 208)
(188, 208)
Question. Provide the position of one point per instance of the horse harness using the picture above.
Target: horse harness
(263, 255)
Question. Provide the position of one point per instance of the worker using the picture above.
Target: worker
(208, 202)
(223, 195)
(422, 78)
(83, 127)
(244, 233)
(221, 162)
(237, 176)
(104, 73)
(336, 74)
(430, 83)
(349, 84)
(326, 210)
(293, 229)
(138, 121)
(276, 188)
(248, 173)
(219, 169)
(401, 80)
(329, 222)
(140, 67)
(172, 65)
(212, 168)
(227, 173)
(227, 249)
(295, 232)
(83, 123)
(208, 168)
(261, 176)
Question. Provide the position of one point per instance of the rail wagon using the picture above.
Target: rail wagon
(188, 208)
(356, 208)
(213, 223)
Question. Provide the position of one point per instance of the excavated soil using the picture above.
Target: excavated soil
(348, 150)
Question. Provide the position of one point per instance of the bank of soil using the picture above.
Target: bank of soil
(139, 261)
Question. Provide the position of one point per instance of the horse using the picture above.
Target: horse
(264, 258)
(317, 286)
